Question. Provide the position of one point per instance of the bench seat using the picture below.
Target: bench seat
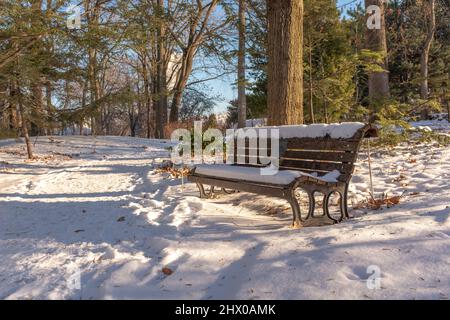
(253, 174)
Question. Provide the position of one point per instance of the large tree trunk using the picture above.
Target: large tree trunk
(285, 69)
(242, 103)
(425, 56)
(376, 41)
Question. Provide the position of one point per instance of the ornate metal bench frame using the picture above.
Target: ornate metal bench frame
(327, 156)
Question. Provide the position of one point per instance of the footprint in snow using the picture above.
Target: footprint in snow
(150, 203)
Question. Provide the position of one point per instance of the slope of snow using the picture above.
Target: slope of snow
(107, 218)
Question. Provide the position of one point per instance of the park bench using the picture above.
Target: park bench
(315, 158)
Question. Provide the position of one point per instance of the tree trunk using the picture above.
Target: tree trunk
(13, 108)
(425, 56)
(325, 102)
(48, 83)
(183, 75)
(376, 41)
(38, 114)
(198, 26)
(448, 110)
(148, 100)
(161, 108)
(83, 105)
(92, 15)
(37, 107)
(325, 109)
(176, 103)
(48, 99)
(24, 124)
(285, 68)
(242, 101)
(311, 105)
(140, 112)
(446, 101)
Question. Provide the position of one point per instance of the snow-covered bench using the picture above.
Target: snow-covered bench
(314, 158)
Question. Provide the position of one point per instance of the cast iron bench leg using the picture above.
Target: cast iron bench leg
(344, 203)
(326, 202)
(297, 218)
(201, 189)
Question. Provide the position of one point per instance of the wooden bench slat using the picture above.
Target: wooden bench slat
(322, 144)
(315, 165)
(320, 155)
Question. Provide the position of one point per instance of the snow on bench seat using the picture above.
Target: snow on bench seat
(253, 174)
(343, 130)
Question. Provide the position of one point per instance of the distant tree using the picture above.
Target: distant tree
(193, 28)
(196, 104)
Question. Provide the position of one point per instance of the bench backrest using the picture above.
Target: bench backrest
(318, 154)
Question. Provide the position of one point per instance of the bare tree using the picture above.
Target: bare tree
(189, 35)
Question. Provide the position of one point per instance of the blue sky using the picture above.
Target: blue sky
(224, 87)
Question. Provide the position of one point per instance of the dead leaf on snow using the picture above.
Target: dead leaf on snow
(167, 271)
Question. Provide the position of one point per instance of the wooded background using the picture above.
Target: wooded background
(142, 67)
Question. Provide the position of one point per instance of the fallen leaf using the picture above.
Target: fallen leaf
(167, 271)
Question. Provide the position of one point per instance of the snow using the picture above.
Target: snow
(106, 217)
(282, 177)
(273, 176)
(343, 130)
(255, 122)
(331, 176)
(438, 126)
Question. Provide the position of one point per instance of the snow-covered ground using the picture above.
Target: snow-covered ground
(98, 212)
